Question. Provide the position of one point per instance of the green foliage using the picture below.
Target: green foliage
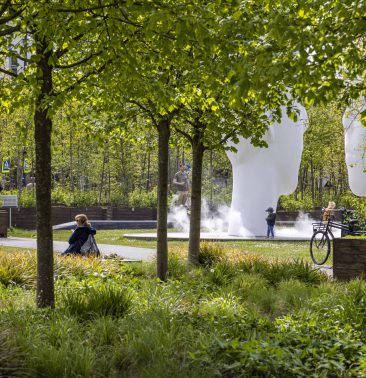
(27, 199)
(289, 203)
(139, 198)
(100, 300)
(253, 317)
(276, 272)
(210, 254)
(12, 359)
(17, 269)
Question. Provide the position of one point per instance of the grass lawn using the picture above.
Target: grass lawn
(264, 248)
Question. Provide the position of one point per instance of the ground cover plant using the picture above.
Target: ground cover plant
(239, 315)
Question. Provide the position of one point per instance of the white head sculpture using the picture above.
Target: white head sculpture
(261, 175)
(355, 148)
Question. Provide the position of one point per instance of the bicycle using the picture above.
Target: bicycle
(320, 245)
(321, 242)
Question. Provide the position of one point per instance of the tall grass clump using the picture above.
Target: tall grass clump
(95, 301)
(277, 271)
(12, 361)
(177, 268)
(222, 273)
(17, 269)
(74, 266)
(210, 254)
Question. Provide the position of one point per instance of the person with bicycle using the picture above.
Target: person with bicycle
(328, 213)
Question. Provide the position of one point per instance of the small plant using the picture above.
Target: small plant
(223, 273)
(176, 266)
(99, 300)
(210, 254)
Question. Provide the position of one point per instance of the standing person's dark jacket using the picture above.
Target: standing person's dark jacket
(79, 237)
(271, 219)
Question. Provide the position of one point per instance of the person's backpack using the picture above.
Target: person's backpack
(90, 247)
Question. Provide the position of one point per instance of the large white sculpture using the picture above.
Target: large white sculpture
(261, 175)
(354, 146)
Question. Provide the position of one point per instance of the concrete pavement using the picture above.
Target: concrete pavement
(128, 253)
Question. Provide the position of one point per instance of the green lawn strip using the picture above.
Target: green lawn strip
(270, 249)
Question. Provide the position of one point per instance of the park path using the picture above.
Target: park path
(126, 252)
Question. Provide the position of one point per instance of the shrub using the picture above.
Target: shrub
(27, 199)
(141, 198)
(95, 301)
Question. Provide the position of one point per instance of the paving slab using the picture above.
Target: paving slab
(126, 252)
(213, 237)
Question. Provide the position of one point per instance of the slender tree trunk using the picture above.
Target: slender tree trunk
(196, 194)
(102, 179)
(312, 181)
(42, 135)
(72, 184)
(142, 174)
(162, 229)
(148, 171)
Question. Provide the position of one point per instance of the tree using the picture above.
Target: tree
(61, 36)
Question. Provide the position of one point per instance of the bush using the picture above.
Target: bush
(27, 199)
(141, 198)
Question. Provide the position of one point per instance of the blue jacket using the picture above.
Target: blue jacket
(79, 237)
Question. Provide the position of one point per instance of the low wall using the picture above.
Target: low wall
(26, 217)
(4, 223)
(349, 258)
(316, 215)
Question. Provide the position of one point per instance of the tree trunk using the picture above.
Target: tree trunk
(196, 193)
(148, 174)
(42, 135)
(162, 229)
(312, 181)
(102, 179)
(72, 184)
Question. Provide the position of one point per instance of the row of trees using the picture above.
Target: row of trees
(91, 167)
(209, 71)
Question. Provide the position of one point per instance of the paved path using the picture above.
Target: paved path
(214, 237)
(129, 253)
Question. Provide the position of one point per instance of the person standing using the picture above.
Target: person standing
(271, 220)
(181, 182)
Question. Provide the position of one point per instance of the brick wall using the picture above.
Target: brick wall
(26, 217)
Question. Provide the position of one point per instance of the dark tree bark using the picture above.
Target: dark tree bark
(42, 134)
(196, 194)
(163, 127)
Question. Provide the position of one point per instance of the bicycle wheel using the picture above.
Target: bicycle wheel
(319, 247)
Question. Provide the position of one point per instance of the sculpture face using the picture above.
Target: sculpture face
(261, 175)
(354, 143)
